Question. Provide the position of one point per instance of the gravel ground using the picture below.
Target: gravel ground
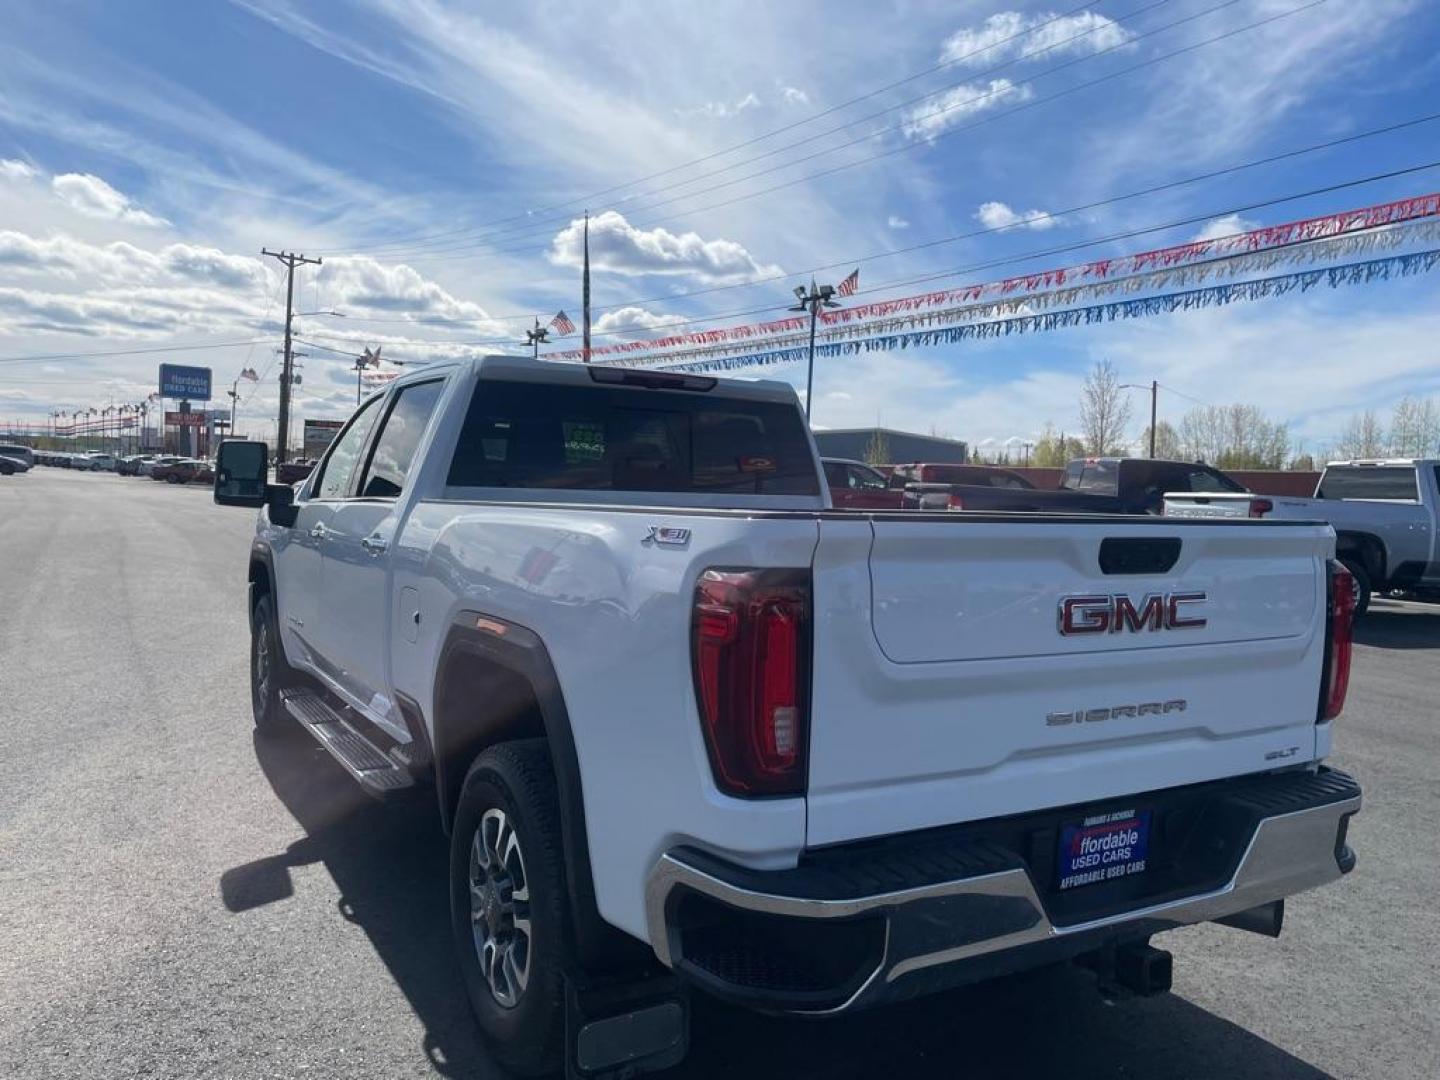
(178, 899)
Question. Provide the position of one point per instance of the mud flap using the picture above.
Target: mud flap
(616, 1028)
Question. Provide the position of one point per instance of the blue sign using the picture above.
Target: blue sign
(185, 383)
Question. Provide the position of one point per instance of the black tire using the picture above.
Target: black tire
(269, 673)
(516, 780)
(1362, 585)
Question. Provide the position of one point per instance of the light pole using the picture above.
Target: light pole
(1154, 389)
(812, 302)
(537, 337)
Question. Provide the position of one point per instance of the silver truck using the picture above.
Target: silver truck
(1383, 512)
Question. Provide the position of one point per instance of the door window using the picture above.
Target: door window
(337, 472)
(399, 439)
(863, 479)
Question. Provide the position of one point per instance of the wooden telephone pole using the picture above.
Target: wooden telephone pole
(289, 260)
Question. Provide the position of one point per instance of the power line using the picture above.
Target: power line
(603, 192)
(1051, 215)
(131, 352)
(991, 264)
(532, 224)
(440, 253)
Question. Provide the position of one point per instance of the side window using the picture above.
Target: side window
(399, 439)
(338, 470)
(834, 474)
(864, 479)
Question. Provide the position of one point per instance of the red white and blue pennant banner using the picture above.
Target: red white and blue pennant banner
(1359, 273)
(1272, 237)
(1228, 266)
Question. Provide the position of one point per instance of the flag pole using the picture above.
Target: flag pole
(585, 291)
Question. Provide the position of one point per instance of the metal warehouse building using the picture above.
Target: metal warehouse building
(901, 446)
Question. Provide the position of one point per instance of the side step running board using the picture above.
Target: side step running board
(361, 758)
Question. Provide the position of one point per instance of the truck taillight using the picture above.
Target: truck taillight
(955, 502)
(1260, 507)
(750, 641)
(1340, 625)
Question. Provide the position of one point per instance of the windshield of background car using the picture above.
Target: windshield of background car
(522, 435)
(1368, 482)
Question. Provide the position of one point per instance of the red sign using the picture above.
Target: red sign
(185, 419)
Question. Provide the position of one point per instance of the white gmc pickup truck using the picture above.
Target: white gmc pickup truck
(688, 727)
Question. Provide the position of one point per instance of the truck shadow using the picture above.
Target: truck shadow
(390, 864)
(1390, 625)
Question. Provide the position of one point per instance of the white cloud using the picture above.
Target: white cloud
(360, 283)
(1228, 225)
(996, 215)
(622, 248)
(67, 257)
(12, 169)
(720, 110)
(1016, 34)
(93, 197)
(959, 102)
(793, 95)
(897, 222)
(632, 317)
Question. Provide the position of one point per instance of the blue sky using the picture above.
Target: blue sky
(436, 153)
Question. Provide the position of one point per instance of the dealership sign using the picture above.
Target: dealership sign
(186, 419)
(184, 383)
(318, 434)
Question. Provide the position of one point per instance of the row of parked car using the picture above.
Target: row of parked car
(1099, 485)
(168, 467)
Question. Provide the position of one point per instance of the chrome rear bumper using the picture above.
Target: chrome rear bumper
(966, 918)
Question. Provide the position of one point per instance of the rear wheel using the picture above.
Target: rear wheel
(1362, 584)
(269, 673)
(507, 904)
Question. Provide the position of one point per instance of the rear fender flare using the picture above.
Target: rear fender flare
(519, 651)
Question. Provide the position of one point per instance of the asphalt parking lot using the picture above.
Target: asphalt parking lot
(179, 899)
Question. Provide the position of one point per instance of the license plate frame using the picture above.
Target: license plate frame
(1103, 847)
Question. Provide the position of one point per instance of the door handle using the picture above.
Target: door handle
(318, 531)
(375, 545)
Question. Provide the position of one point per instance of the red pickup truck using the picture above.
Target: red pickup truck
(857, 486)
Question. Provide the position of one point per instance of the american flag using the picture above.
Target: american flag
(562, 323)
(850, 284)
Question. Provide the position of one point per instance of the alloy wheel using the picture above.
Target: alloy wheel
(500, 907)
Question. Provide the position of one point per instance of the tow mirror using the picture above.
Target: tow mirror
(242, 473)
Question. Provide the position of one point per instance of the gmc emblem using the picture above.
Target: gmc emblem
(1102, 614)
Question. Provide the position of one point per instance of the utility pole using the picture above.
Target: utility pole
(1154, 389)
(289, 260)
(585, 292)
(539, 336)
(812, 302)
(1154, 394)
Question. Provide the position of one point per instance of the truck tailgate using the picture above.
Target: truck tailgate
(946, 691)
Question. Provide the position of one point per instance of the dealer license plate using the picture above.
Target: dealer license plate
(1104, 847)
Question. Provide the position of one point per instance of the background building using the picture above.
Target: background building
(898, 446)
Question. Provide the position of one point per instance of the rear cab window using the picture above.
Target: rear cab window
(1096, 477)
(1390, 482)
(624, 439)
